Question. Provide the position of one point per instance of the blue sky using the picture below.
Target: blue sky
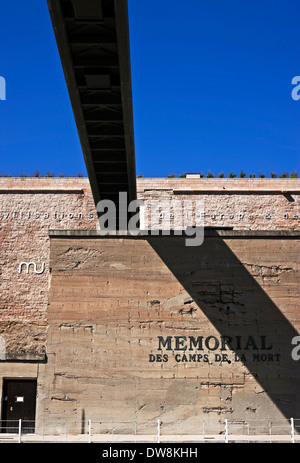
(211, 88)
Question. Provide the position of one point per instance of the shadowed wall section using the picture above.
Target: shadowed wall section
(145, 328)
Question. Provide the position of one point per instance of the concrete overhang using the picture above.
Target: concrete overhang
(208, 232)
(93, 42)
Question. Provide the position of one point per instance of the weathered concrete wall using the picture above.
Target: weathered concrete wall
(28, 209)
(251, 204)
(117, 314)
(139, 329)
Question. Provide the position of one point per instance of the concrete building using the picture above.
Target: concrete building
(136, 328)
(124, 329)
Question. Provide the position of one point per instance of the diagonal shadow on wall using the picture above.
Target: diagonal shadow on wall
(237, 305)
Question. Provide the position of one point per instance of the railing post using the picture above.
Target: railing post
(90, 431)
(158, 431)
(292, 431)
(20, 431)
(66, 430)
(159, 423)
(226, 432)
(180, 426)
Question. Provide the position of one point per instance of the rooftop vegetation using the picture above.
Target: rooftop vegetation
(242, 174)
(209, 174)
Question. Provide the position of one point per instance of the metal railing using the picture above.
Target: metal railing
(156, 431)
(19, 427)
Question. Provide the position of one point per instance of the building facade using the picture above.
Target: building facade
(144, 327)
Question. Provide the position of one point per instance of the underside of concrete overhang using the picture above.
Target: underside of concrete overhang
(93, 42)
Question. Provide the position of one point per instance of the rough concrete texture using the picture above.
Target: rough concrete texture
(28, 208)
(111, 300)
(147, 328)
(251, 204)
